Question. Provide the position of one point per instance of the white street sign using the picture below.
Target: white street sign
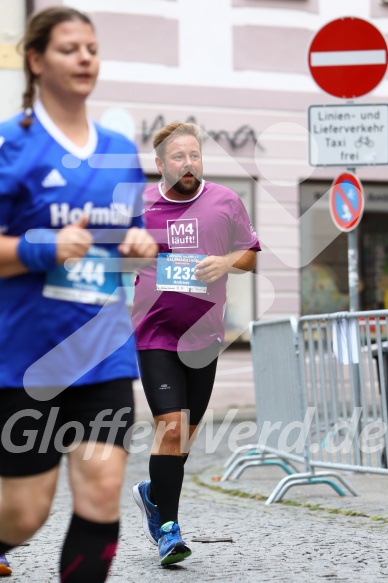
(348, 135)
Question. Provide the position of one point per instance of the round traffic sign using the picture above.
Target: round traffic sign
(348, 57)
(346, 201)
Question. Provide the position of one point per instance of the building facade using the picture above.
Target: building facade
(239, 68)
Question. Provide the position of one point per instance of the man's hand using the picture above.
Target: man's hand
(211, 268)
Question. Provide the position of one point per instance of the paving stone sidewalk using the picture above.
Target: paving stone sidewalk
(321, 537)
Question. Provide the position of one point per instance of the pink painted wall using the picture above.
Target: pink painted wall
(267, 48)
(378, 9)
(131, 39)
(308, 5)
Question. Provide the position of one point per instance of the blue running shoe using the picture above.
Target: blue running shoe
(5, 569)
(172, 549)
(151, 516)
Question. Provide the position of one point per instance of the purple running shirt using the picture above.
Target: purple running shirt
(172, 311)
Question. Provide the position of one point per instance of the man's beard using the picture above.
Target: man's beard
(181, 186)
(188, 189)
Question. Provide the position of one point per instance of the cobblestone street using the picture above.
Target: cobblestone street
(281, 542)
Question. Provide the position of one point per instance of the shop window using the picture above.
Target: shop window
(374, 261)
(324, 252)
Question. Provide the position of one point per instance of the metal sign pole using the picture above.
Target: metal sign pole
(354, 306)
(353, 276)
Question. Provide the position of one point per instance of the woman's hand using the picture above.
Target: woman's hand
(138, 243)
(73, 241)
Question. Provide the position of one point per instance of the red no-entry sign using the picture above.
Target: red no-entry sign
(346, 201)
(348, 57)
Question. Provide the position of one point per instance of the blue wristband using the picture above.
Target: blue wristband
(37, 250)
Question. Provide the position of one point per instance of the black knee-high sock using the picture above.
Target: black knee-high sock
(4, 547)
(88, 550)
(166, 473)
(150, 493)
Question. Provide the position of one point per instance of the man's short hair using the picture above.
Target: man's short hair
(171, 131)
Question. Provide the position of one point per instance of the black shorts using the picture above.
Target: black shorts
(174, 381)
(35, 434)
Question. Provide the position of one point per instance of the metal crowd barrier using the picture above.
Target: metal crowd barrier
(270, 341)
(344, 374)
(321, 389)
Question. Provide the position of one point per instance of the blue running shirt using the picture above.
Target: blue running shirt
(66, 327)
